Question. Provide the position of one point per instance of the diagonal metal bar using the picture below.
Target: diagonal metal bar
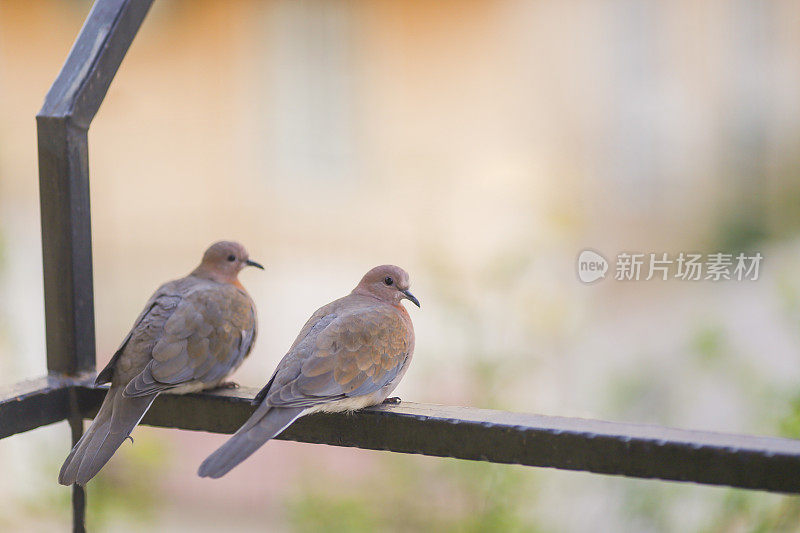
(62, 125)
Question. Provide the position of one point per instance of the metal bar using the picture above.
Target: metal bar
(63, 122)
(78, 509)
(633, 450)
(78, 492)
(66, 246)
(31, 404)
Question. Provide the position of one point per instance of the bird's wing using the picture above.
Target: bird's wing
(207, 335)
(317, 322)
(156, 311)
(344, 355)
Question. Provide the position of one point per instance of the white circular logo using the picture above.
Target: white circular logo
(591, 266)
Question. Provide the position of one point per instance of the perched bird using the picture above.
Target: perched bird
(193, 332)
(350, 354)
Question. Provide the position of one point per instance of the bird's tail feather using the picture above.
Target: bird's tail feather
(266, 423)
(113, 424)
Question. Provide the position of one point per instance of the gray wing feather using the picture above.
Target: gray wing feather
(342, 355)
(114, 422)
(200, 342)
(267, 422)
(156, 311)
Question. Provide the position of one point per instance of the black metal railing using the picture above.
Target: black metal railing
(642, 451)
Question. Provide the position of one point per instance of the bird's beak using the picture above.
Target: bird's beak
(254, 264)
(411, 297)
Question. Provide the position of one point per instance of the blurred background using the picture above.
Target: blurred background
(481, 146)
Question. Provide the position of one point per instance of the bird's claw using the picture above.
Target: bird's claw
(394, 400)
(228, 385)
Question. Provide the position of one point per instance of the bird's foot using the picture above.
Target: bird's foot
(228, 385)
(394, 400)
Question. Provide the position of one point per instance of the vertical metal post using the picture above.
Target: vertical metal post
(66, 245)
(63, 125)
(78, 492)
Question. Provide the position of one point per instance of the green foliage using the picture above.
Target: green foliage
(125, 489)
(784, 214)
(406, 494)
(646, 505)
(50, 505)
(742, 230)
(789, 425)
(320, 511)
(641, 394)
(499, 496)
(757, 513)
(788, 292)
(760, 213)
(708, 344)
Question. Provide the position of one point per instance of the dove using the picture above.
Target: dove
(350, 354)
(192, 333)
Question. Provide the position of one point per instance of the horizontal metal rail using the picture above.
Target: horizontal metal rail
(633, 450)
(31, 404)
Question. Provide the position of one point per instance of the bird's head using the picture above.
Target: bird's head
(223, 261)
(387, 283)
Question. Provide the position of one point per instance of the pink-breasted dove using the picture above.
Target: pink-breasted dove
(193, 332)
(350, 354)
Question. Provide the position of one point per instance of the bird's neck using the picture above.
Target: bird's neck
(219, 277)
(363, 291)
(403, 311)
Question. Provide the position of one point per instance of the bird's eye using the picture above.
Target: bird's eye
(231, 258)
(388, 280)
